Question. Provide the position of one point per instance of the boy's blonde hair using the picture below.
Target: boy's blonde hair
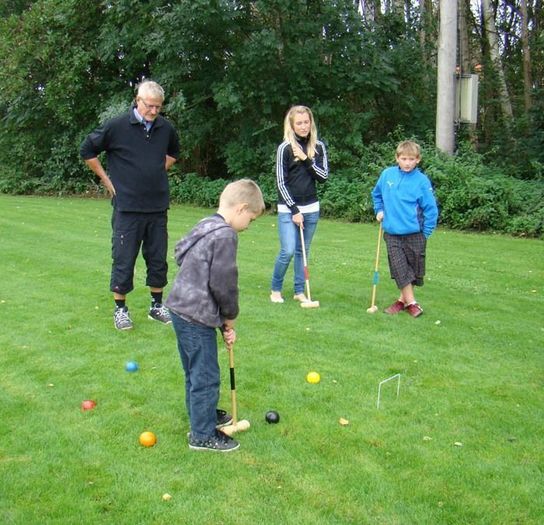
(289, 132)
(410, 148)
(243, 191)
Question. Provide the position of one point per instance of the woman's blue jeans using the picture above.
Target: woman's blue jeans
(290, 246)
(197, 347)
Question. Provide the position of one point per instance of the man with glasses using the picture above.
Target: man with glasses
(140, 147)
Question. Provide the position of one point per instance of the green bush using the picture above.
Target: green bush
(199, 191)
(471, 192)
(345, 197)
(473, 195)
(195, 190)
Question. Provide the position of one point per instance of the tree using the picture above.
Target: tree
(527, 77)
(494, 52)
(232, 68)
(48, 83)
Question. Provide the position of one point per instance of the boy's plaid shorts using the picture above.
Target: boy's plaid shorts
(406, 255)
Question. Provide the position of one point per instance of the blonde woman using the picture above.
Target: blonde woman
(301, 161)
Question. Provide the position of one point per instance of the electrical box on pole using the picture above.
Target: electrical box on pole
(467, 99)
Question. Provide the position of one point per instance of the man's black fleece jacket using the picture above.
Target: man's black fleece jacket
(136, 160)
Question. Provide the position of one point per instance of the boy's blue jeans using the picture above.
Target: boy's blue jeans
(290, 245)
(197, 347)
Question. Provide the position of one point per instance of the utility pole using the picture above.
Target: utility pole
(447, 58)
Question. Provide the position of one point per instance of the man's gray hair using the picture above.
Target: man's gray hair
(150, 88)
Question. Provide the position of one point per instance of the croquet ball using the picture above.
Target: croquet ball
(88, 404)
(313, 377)
(147, 439)
(272, 417)
(131, 366)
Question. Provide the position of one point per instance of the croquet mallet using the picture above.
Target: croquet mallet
(235, 426)
(309, 303)
(373, 308)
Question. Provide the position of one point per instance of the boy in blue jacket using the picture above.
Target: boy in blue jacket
(404, 201)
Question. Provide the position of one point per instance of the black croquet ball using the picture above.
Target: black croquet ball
(272, 417)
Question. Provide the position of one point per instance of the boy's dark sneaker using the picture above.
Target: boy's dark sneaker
(414, 310)
(223, 418)
(159, 313)
(395, 308)
(121, 319)
(219, 442)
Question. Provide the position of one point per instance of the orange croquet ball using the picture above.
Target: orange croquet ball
(147, 439)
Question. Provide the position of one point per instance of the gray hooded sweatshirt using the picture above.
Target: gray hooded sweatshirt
(205, 290)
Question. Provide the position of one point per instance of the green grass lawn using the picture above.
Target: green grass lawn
(462, 444)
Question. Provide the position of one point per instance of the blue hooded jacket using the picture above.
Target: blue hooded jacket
(407, 202)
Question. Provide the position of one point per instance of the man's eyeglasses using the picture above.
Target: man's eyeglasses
(149, 107)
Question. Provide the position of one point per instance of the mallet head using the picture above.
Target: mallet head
(309, 304)
(240, 426)
(372, 309)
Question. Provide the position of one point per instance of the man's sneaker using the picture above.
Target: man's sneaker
(159, 313)
(223, 418)
(414, 310)
(395, 308)
(121, 319)
(219, 442)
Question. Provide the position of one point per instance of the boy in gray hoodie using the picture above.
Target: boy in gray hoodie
(204, 297)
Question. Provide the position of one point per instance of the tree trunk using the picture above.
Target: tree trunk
(493, 41)
(464, 48)
(447, 51)
(422, 25)
(527, 81)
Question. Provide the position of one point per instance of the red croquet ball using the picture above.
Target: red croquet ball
(88, 404)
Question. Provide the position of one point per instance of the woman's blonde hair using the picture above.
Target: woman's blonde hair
(289, 132)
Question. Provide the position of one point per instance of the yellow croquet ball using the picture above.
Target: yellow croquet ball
(313, 378)
(147, 439)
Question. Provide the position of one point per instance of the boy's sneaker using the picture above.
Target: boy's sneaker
(414, 310)
(159, 313)
(223, 418)
(395, 308)
(121, 319)
(219, 442)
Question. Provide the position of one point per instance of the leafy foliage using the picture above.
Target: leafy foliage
(231, 69)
